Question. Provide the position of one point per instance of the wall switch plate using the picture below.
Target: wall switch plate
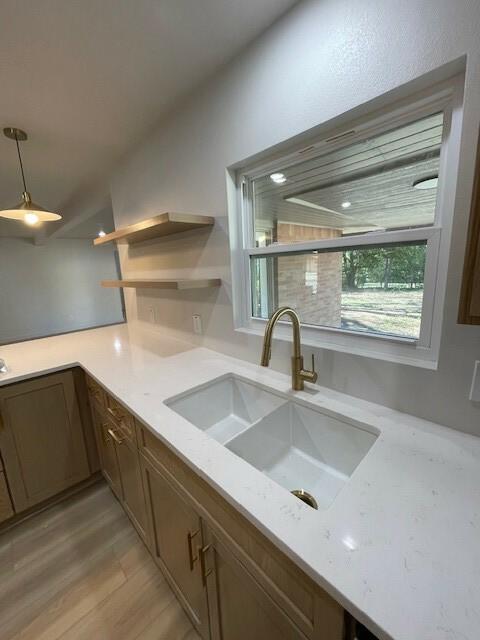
(475, 388)
(197, 324)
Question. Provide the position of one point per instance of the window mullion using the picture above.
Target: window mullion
(348, 242)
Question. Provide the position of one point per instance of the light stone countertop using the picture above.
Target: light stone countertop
(400, 545)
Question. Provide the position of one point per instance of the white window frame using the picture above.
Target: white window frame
(446, 97)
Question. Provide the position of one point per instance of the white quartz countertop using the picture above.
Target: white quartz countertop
(400, 545)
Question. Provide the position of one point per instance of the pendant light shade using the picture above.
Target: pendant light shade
(26, 210)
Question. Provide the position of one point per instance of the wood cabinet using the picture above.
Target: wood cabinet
(232, 582)
(240, 608)
(252, 590)
(221, 597)
(469, 312)
(133, 497)
(176, 541)
(107, 451)
(6, 506)
(42, 438)
(119, 458)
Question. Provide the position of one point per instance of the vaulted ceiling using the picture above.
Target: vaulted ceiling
(88, 80)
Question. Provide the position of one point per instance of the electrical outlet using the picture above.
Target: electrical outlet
(475, 388)
(197, 324)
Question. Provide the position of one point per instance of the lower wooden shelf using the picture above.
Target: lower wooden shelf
(178, 285)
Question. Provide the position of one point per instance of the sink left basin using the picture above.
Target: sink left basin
(226, 407)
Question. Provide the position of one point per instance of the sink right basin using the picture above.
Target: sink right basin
(304, 449)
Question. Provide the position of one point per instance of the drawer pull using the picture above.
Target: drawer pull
(191, 557)
(114, 413)
(203, 564)
(105, 435)
(113, 434)
(120, 417)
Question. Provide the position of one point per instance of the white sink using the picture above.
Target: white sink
(302, 448)
(226, 406)
(291, 441)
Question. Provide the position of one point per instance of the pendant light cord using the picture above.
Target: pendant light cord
(20, 161)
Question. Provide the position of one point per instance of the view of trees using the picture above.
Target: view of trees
(384, 267)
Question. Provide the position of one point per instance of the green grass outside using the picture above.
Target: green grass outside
(395, 311)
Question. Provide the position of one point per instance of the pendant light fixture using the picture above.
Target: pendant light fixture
(26, 210)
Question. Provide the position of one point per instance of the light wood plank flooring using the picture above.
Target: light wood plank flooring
(79, 571)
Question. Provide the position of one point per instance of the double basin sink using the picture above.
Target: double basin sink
(295, 443)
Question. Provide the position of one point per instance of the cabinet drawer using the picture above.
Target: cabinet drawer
(6, 507)
(95, 391)
(122, 418)
(303, 601)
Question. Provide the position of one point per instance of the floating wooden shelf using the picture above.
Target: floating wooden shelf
(178, 285)
(164, 224)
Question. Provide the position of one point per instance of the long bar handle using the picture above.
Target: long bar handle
(203, 563)
(191, 557)
(116, 414)
(113, 434)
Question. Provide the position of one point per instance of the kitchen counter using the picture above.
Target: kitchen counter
(398, 548)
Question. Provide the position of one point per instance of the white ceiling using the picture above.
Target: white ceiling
(87, 80)
(375, 175)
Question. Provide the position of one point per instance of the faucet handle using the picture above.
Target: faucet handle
(311, 376)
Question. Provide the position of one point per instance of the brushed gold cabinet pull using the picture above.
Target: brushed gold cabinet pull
(191, 557)
(203, 563)
(112, 412)
(112, 433)
(104, 432)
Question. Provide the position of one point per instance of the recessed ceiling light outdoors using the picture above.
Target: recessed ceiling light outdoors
(101, 234)
(346, 204)
(279, 178)
(429, 182)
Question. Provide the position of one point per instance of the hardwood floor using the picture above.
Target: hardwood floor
(79, 571)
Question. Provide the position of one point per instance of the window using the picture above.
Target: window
(352, 231)
(372, 290)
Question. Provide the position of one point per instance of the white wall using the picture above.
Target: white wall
(322, 59)
(54, 288)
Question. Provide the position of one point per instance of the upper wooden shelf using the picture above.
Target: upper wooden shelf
(178, 285)
(164, 224)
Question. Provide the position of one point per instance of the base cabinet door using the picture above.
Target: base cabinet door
(176, 541)
(41, 438)
(239, 607)
(133, 497)
(6, 507)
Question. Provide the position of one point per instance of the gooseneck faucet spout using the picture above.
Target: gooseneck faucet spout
(299, 374)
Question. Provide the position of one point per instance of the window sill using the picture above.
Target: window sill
(395, 350)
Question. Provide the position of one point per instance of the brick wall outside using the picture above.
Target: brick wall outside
(311, 284)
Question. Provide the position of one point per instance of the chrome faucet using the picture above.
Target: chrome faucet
(299, 374)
